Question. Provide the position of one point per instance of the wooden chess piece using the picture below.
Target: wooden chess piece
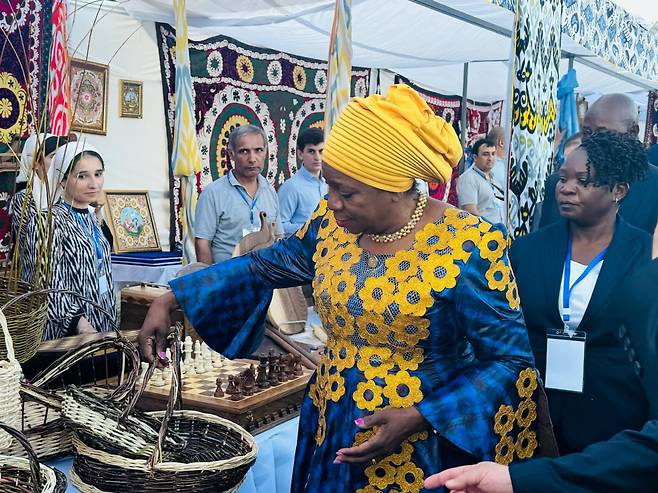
(249, 381)
(231, 388)
(237, 383)
(261, 378)
(297, 367)
(283, 368)
(218, 391)
(272, 370)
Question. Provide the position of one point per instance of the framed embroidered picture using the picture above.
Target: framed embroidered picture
(130, 94)
(129, 215)
(89, 96)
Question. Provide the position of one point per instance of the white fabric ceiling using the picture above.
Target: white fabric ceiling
(419, 43)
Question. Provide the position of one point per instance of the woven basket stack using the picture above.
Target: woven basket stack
(154, 452)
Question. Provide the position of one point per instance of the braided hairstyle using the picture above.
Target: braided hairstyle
(617, 158)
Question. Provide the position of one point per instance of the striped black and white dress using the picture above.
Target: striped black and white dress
(74, 268)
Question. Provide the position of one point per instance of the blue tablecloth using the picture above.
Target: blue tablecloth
(272, 472)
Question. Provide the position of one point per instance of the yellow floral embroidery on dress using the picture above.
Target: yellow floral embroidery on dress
(410, 330)
(402, 265)
(375, 361)
(335, 386)
(408, 359)
(321, 210)
(526, 413)
(380, 474)
(372, 327)
(464, 243)
(404, 455)
(402, 389)
(492, 245)
(413, 297)
(459, 219)
(342, 287)
(442, 274)
(376, 294)
(368, 395)
(525, 445)
(409, 477)
(497, 275)
(432, 238)
(526, 384)
(505, 450)
(504, 420)
(343, 355)
(512, 293)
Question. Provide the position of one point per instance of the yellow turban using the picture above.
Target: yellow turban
(387, 141)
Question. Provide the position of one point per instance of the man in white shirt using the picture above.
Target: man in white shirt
(477, 190)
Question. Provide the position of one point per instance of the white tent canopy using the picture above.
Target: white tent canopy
(424, 40)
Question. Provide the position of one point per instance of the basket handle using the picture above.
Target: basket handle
(174, 396)
(9, 343)
(35, 468)
(67, 360)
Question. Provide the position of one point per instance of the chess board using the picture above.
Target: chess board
(254, 412)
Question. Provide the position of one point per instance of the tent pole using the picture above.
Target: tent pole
(570, 62)
(464, 129)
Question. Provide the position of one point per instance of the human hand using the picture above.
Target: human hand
(393, 427)
(84, 327)
(156, 327)
(485, 477)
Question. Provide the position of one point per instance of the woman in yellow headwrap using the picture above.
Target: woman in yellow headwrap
(425, 337)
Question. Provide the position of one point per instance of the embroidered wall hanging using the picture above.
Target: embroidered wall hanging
(651, 129)
(236, 84)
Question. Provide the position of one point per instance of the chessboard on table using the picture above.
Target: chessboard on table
(256, 413)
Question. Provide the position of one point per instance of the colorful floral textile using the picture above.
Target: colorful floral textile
(234, 84)
(437, 327)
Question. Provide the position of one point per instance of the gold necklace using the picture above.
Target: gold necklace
(407, 228)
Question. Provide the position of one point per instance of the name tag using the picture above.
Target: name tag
(252, 229)
(103, 286)
(565, 360)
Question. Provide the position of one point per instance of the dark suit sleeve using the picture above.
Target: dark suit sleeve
(549, 211)
(628, 462)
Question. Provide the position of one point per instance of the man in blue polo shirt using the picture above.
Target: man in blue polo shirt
(230, 207)
(301, 194)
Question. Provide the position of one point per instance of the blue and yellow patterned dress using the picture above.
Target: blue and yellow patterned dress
(437, 327)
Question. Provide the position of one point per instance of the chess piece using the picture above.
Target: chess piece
(207, 357)
(272, 369)
(297, 368)
(249, 381)
(218, 391)
(261, 379)
(157, 380)
(143, 369)
(183, 369)
(199, 364)
(187, 350)
(231, 388)
(217, 360)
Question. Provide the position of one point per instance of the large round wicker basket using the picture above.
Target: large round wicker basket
(26, 313)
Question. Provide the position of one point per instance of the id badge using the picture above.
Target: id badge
(252, 229)
(565, 360)
(103, 286)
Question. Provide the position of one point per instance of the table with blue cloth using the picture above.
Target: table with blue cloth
(271, 473)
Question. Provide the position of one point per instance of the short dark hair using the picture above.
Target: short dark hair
(310, 136)
(481, 143)
(617, 158)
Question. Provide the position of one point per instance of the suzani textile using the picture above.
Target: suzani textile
(534, 107)
(59, 92)
(21, 22)
(437, 327)
(340, 64)
(234, 84)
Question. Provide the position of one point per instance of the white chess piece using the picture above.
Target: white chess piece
(143, 369)
(216, 359)
(207, 357)
(157, 380)
(183, 368)
(187, 350)
(199, 364)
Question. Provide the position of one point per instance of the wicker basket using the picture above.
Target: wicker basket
(10, 384)
(26, 313)
(215, 457)
(19, 475)
(42, 422)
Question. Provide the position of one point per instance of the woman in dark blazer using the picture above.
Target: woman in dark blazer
(593, 181)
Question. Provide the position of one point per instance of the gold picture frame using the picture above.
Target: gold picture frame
(130, 218)
(89, 96)
(130, 98)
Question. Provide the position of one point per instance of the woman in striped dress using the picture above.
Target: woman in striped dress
(80, 255)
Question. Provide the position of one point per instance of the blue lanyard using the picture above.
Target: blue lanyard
(246, 201)
(566, 287)
(95, 236)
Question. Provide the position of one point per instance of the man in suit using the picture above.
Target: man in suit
(628, 461)
(617, 113)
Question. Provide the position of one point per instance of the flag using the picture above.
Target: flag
(186, 158)
(59, 95)
(340, 64)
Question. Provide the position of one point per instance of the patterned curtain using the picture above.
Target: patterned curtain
(651, 129)
(534, 107)
(235, 84)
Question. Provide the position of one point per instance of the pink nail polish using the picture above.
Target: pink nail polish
(359, 422)
(337, 462)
